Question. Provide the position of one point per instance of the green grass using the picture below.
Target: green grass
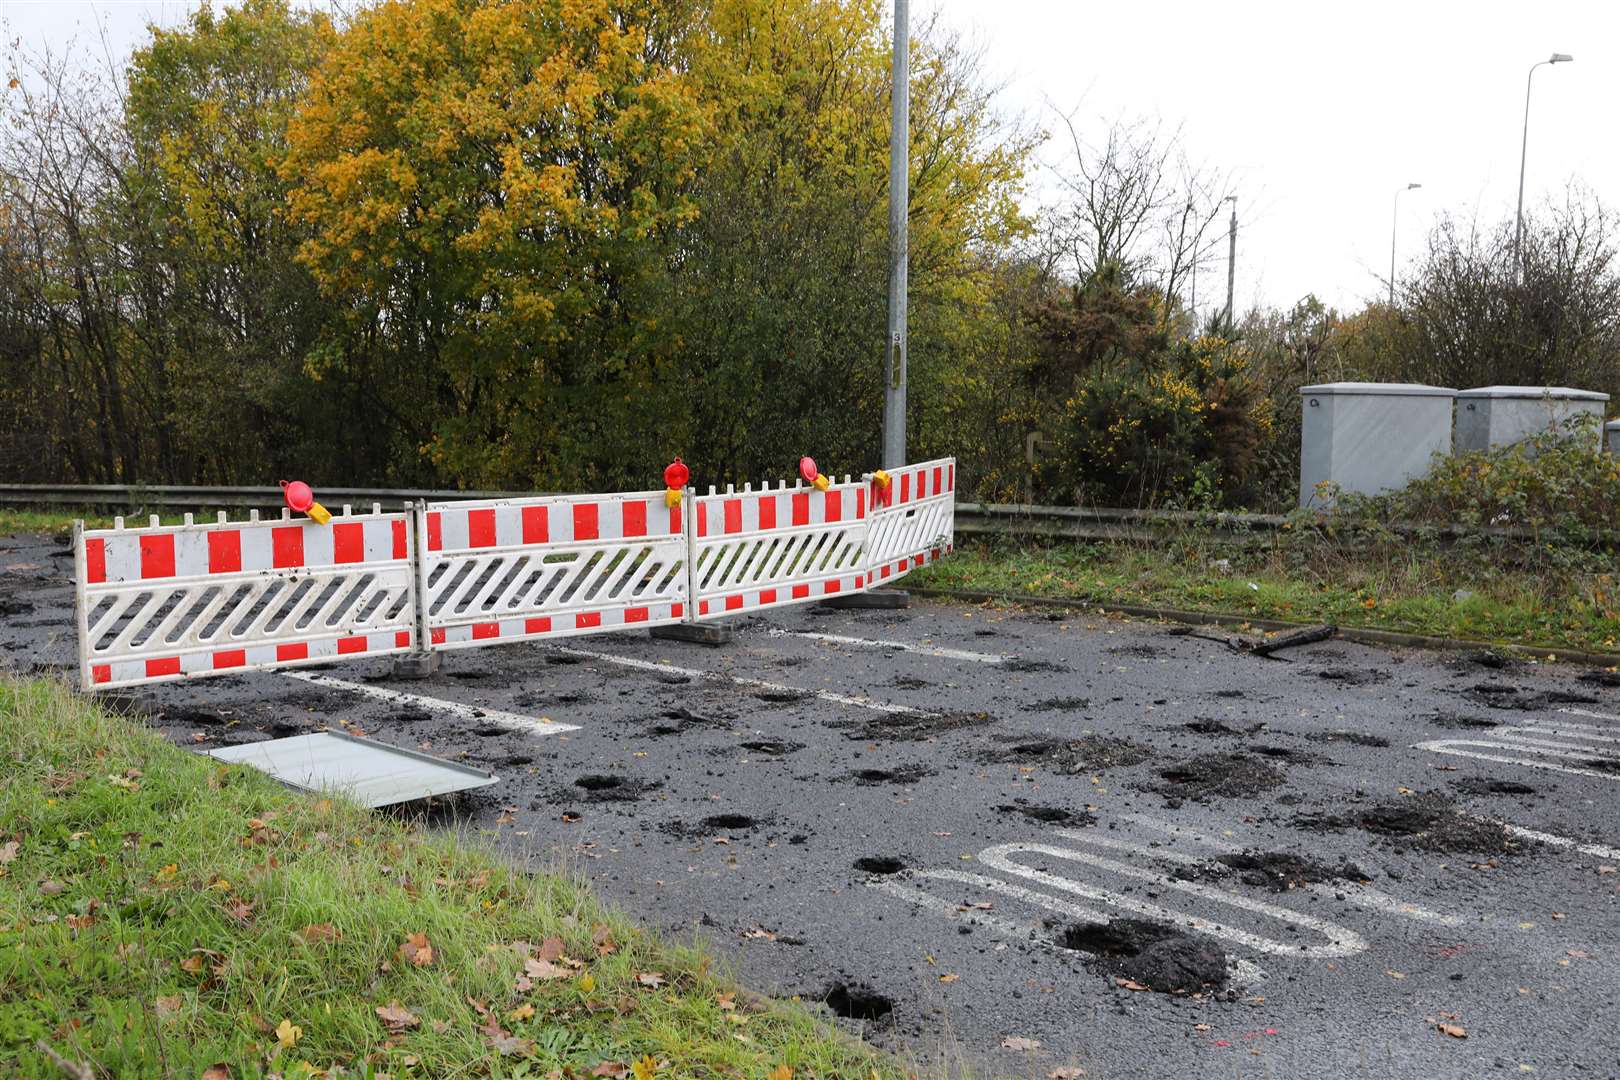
(1534, 597)
(160, 913)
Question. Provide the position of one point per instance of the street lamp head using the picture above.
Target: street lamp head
(1409, 187)
(1560, 58)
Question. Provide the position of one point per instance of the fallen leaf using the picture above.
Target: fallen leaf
(949, 977)
(616, 1069)
(781, 1072)
(1018, 1042)
(1130, 984)
(725, 1001)
(288, 1033)
(316, 933)
(50, 887)
(509, 1045)
(544, 970)
(1456, 1031)
(397, 1016)
(551, 948)
(1068, 1072)
(602, 938)
(650, 979)
(759, 932)
(8, 851)
(646, 1067)
(587, 983)
(416, 950)
(167, 1006)
(1200, 1027)
(217, 1071)
(1395, 974)
(522, 1012)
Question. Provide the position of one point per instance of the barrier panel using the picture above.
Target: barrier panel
(161, 603)
(760, 549)
(917, 524)
(516, 569)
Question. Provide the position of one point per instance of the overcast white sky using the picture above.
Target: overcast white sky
(1323, 109)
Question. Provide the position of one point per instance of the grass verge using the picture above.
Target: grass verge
(165, 915)
(1537, 597)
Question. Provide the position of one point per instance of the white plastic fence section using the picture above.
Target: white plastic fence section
(918, 524)
(760, 549)
(510, 570)
(171, 602)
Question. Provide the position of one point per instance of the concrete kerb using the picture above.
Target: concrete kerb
(1361, 635)
(713, 634)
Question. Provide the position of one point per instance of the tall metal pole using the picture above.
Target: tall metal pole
(1395, 224)
(894, 394)
(1231, 261)
(1524, 149)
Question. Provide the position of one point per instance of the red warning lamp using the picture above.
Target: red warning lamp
(301, 500)
(676, 474)
(808, 470)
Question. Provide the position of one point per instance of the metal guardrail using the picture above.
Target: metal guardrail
(179, 497)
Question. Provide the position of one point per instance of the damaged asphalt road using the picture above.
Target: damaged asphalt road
(1039, 841)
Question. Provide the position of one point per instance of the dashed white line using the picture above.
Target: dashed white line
(1590, 715)
(511, 721)
(904, 646)
(740, 680)
(1596, 850)
(1450, 746)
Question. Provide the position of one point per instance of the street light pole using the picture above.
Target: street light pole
(1524, 147)
(1395, 225)
(894, 392)
(1231, 260)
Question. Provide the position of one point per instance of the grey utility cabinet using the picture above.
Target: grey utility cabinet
(1490, 416)
(1370, 437)
(1611, 436)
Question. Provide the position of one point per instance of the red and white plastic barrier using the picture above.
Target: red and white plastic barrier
(171, 602)
(760, 549)
(550, 567)
(914, 521)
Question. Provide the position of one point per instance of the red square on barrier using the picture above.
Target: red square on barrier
(541, 625)
(884, 571)
(436, 636)
(703, 607)
(101, 673)
(481, 528)
(767, 511)
(938, 472)
(905, 486)
(832, 586)
(292, 652)
(635, 614)
(224, 552)
(585, 523)
(767, 596)
(230, 658)
(435, 526)
(733, 515)
(287, 546)
(860, 502)
(399, 540)
(157, 556)
(349, 542)
(677, 610)
(950, 476)
(835, 506)
(586, 619)
(483, 631)
(95, 563)
(800, 592)
(635, 518)
(167, 666)
(348, 646)
(734, 603)
(801, 508)
(922, 484)
(536, 525)
(402, 639)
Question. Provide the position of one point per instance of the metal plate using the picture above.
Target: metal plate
(370, 772)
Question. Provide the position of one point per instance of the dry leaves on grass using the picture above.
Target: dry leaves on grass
(396, 1016)
(320, 933)
(9, 851)
(288, 1033)
(217, 1071)
(652, 980)
(416, 950)
(1018, 1042)
(167, 1006)
(1068, 1072)
(602, 938)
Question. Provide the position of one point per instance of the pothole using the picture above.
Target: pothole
(1476, 786)
(905, 774)
(1085, 754)
(1459, 722)
(1026, 664)
(856, 1002)
(1498, 696)
(490, 731)
(599, 788)
(1430, 822)
(1278, 871)
(1048, 815)
(1152, 954)
(911, 682)
(1061, 704)
(1224, 775)
(781, 697)
(729, 821)
(1354, 738)
(1207, 726)
(879, 864)
(911, 727)
(771, 747)
(1353, 676)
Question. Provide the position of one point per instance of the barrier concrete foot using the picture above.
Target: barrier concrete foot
(416, 665)
(884, 599)
(700, 633)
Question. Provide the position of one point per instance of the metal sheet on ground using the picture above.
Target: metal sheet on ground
(370, 772)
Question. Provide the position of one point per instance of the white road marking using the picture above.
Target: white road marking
(1244, 972)
(1450, 746)
(1597, 850)
(760, 684)
(1590, 715)
(511, 721)
(904, 646)
(1353, 892)
(1527, 733)
(1340, 941)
